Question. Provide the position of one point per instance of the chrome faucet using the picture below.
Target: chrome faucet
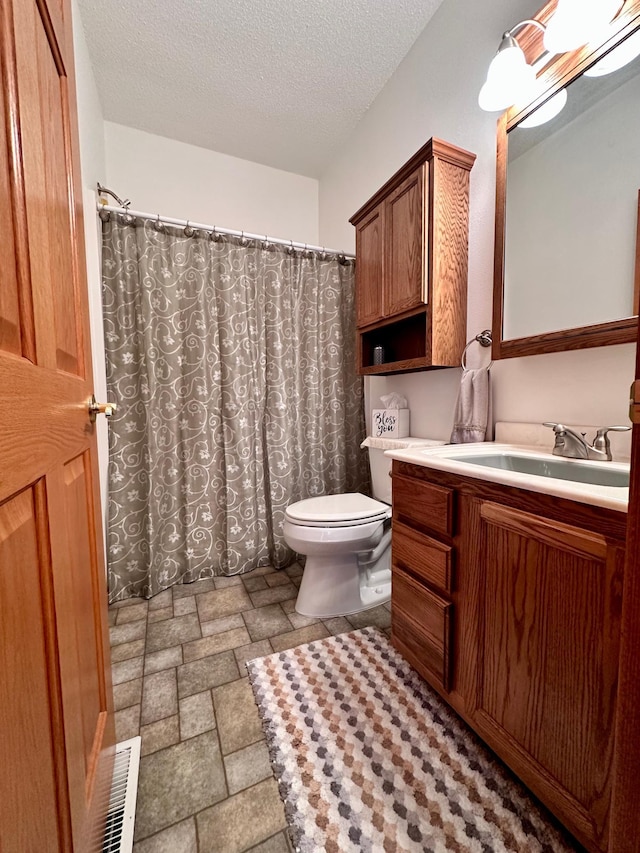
(568, 443)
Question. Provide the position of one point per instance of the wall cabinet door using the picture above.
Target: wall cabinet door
(411, 264)
(369, 269)
(405, 241)
(548, 642)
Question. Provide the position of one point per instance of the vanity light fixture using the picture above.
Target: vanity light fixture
(573, 24)
(620, 56)
(550, 109)
(509, 77)
(578, 22)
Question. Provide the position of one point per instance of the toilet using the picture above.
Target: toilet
(346, 539)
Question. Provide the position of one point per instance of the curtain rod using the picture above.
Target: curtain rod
(198, 226)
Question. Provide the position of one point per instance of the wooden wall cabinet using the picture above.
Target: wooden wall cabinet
(411, 263)
(530, 593)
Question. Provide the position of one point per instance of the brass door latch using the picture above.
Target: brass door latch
(95, 409)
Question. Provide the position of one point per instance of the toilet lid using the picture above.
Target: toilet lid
(350, 508)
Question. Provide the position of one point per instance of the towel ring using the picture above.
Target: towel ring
(484, 339)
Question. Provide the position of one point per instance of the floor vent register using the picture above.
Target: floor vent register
(118, 833)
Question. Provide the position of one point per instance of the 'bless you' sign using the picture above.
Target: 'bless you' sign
(390, 423)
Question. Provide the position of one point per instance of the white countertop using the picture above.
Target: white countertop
(610, 497)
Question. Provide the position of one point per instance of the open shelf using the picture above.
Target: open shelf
(404, 343)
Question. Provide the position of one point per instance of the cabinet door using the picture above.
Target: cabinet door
(406, 245)
(369, 267)
(548, 631)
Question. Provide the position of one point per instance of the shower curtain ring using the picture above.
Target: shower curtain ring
(188, 230)
(157, 224)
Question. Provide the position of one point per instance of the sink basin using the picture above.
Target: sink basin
(576, 470)
(604, 484)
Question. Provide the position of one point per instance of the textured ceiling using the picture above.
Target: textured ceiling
(279, 82)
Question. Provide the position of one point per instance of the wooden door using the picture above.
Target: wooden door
(55, 694)
(405, 240)
(369, 267)
(547, 663)
(625, 810)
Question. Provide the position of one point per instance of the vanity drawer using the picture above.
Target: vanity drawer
(421, 627)
(423, 504)
(419, 554)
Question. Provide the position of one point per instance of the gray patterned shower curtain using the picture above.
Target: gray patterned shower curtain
(233, 367)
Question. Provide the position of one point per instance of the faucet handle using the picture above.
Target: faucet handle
(604, 430)
(601, 441)
(557, 428)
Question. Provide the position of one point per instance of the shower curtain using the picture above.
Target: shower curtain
(232, 363)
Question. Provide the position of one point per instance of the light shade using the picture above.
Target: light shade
(617, 58)
(577, 22)
(547, 111)
(509, 78)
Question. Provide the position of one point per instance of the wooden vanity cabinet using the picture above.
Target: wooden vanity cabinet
(533, 586)
(411, 263)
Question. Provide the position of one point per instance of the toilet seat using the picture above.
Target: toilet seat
(345, 510)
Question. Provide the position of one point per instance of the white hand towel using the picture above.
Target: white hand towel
(471, 417)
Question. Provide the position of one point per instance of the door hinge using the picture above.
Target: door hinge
(634, 402)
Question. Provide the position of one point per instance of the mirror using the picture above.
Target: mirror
(567, 214)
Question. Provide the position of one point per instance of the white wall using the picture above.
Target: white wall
(175, 179)
(434, 93)
(92, 166)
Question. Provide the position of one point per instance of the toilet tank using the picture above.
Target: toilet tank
(380, 464)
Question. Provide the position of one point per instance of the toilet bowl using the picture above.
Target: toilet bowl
(346, 539)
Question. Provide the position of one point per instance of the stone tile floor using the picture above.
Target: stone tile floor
(180, 682)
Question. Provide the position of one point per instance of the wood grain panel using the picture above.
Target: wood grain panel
(548, 661)
(581, 543)
(369, 268)
(423, 556)
(405, 245)
(53, 413)
(423, 504)
(28, 771)
(88, 666)
(422, 624)
(449, 258)
(10, 336)
(83, 652)
(43, 107)
(581, 337)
